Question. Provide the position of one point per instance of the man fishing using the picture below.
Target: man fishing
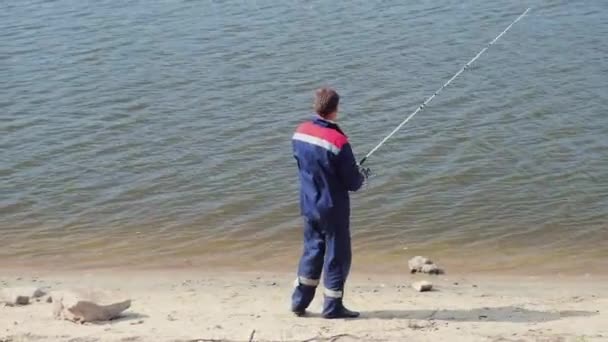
(328, 171)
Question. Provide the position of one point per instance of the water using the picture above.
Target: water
(157, 133)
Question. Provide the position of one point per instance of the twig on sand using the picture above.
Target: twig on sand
(333, 338)
(251, 336)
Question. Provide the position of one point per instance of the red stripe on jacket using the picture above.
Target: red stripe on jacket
(328, 134)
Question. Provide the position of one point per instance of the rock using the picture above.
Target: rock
(422, 286)
(415, 264)
(431, 269)
(20, 295)
(423, 265)
(87, 305)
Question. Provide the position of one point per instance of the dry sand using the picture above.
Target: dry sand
(197, 306)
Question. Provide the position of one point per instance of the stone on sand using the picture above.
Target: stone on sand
(87, 305)
(431, 269)
(422, 286)
(423, 265)
(19, 295)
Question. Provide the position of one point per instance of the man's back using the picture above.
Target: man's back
(327, 169)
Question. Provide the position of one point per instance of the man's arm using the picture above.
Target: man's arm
(348, 169)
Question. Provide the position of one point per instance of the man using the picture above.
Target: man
(327, 172)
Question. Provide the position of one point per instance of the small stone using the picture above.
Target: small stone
(19, 295)
(141, 321)
(422, 286)
(431, 269)
(456, 284)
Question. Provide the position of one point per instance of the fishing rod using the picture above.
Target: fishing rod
(421, 107)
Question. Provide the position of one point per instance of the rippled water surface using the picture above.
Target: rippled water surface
(158, 132)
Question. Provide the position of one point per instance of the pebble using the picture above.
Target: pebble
(422, 286)
(13, 296)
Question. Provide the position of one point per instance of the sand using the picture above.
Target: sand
(192, 305)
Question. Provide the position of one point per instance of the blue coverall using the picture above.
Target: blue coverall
(327, 172)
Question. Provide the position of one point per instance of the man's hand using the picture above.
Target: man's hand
(365, 172)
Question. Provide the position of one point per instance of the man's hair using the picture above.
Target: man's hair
(326, 101)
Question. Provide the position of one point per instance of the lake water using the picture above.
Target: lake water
(157, 133)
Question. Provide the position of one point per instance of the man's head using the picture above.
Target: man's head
(326, 103)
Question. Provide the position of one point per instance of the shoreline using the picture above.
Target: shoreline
(188, 305)
(363, 262)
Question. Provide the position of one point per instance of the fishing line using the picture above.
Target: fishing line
(421, 107)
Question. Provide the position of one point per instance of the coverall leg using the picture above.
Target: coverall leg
(337, 267)
(327, 247)
(310, 267)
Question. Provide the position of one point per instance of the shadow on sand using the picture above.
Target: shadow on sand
(499, 314)
(132, 317)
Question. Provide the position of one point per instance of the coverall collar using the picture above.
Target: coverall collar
(327, 123)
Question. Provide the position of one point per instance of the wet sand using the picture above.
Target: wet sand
(193, 305)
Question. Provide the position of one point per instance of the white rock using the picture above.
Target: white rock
(423, 265)
(431, 269)
(19, 295)
(86, 305)
(416, 263)
(422, 286)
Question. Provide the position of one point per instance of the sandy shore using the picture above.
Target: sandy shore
(196, 306)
